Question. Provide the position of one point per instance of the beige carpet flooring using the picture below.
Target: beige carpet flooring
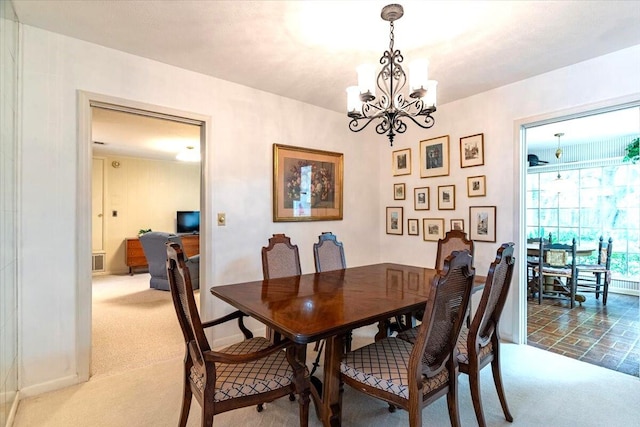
(543, 389)
(133, 325)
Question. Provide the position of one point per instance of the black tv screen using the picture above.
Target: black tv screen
(188, 222)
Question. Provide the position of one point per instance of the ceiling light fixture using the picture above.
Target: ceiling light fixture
(558, 153)
(391, 106)
(189, 154)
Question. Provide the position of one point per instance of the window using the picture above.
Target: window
(587, 203)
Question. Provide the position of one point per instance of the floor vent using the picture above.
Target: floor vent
(97, 262)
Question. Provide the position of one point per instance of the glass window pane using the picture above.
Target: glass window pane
(568, 217)
(532, 217)
(549, 217)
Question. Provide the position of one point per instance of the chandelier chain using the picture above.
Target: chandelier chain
(391, 38)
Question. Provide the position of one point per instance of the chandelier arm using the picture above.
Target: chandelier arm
(354, 126)
(429, 121)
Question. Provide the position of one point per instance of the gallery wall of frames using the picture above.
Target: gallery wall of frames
(425, 214)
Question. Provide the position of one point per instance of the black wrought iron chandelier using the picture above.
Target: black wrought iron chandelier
(391, 106)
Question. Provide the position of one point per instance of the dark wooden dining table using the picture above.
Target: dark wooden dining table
(327, 305)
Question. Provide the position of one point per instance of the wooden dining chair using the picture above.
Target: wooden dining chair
(454, 240)
(556, 272)
(479, 344)
(280, 258)
(413, 376)
(328, 253)
(248, 373)
(590, 277)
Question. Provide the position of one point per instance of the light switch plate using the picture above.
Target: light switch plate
(222, 219)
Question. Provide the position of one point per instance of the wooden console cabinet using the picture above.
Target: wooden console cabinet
(134, 254)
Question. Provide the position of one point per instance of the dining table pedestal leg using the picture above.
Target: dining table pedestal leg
(327, 395)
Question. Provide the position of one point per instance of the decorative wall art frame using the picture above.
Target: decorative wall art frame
(421, 198)
(394, 220)
(307, 184)
(413, 227)
(457, 224)
(399, 191)
(401, 162)
(434, 157)
(472, 150)
(446, 197)
(482, 223)
(433, 229)
(477, 186)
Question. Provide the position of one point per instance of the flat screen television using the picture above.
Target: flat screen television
(188, 222)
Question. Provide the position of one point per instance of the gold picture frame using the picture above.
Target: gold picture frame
(421, 198)
(433, 229)
(472, 150)
(395, 219)
(399, 191)
(434, 157)
(413, 227)
(477, 186)
(482, 223)
(401, 162)
(446, 197)
(457, 224)
(307, 184)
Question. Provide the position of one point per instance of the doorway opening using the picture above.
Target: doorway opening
(93, 234)
(577, 186)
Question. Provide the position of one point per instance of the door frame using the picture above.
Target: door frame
(86, 100)
(520, 191)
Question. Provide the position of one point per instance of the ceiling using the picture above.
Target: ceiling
(308, 50)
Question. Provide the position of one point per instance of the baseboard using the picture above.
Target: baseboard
(48, 386)
(14, 408)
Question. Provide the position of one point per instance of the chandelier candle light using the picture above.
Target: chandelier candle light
(391, 106)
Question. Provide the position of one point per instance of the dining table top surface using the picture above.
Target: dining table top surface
(313, 306)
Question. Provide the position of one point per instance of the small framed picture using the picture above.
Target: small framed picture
(421, 198)
(401, 162)
(482, 223)
(433, 229)
(472, 150)
(477, 186)
(434, 157)
(398, 191)
(446, 197)
(413, 227)
(413, 281)
(457, 224)
(394, 220)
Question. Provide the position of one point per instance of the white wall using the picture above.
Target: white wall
(245, 124)
(239, 172)
(581, 86)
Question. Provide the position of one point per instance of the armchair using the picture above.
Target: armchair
(155, 250)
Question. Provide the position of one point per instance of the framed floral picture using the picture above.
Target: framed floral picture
(421, 198)
(433, 229)
(477, 186)
(398, 191)
(457, 224)
(394, 220)
(482, 223)
(307, 184)
(472, 150)
(446, 197)
(434, 157)
(401, 162)
(413, 227)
